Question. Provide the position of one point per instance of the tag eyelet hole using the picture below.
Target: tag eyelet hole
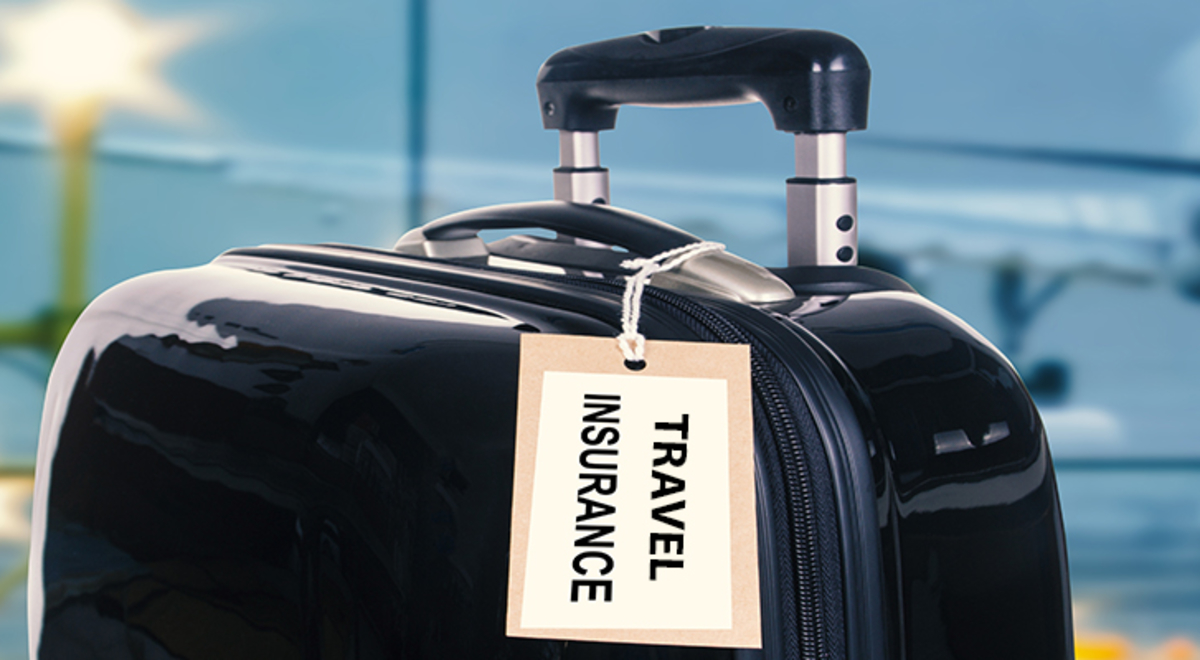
(635, 365)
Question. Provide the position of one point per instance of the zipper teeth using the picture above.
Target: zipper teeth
(799, 488)
(798, 483)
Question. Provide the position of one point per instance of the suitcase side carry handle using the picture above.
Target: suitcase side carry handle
(810, 81)
(641, 235)
(717, 274)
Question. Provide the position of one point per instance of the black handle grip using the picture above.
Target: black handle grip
(810, 81)
(641, 235)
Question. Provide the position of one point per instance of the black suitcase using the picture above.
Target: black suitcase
(307, 451)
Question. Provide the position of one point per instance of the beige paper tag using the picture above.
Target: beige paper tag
(633, 500)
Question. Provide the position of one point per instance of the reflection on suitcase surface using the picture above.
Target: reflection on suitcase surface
(306, 451)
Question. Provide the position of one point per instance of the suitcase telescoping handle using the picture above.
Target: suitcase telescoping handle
(815, 84)
(810, 81)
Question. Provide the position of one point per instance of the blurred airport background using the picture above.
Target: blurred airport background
(1032, 166)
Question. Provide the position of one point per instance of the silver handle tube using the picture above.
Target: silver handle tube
(822, 204)
(579, 177)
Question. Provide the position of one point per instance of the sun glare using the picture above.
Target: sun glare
(63, 53)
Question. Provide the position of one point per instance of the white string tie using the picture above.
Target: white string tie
(631, 342)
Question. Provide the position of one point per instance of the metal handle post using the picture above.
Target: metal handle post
(822, 204)
(579, 177)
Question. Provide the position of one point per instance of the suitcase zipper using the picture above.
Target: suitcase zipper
(803, 637)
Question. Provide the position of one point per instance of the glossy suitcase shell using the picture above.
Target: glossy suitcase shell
(307, 452)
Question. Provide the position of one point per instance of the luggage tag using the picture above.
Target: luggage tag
(633, 513)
